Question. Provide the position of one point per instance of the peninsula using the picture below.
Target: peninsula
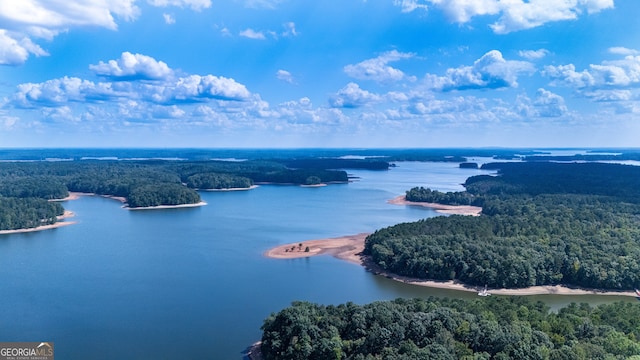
(545, 228)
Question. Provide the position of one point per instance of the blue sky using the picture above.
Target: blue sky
(297, 73)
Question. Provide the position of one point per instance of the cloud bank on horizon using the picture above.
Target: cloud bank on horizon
(283, 73)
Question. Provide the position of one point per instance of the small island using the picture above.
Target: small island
(468, 165)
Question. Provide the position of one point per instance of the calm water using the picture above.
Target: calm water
(192, 283)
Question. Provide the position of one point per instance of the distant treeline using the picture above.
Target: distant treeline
(332, 163)
(454, 155)
(620, 181)
(443, 329)
(142, 183)
(627, 155)
(541, 224)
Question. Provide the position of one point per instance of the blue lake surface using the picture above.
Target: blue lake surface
(193, 283)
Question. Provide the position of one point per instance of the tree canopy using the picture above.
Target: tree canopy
(541, 224)
(438, 329)
(143, 183)
(23, 213)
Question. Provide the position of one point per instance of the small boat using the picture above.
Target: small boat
(484, 292)
(637, 292)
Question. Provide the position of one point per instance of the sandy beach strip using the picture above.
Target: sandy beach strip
(67, 214)
(76, 196)
(441, 208)
(229, 189)
(350, 248)
(201, 203)
(123, 200)
(533, 290)
(72, 196)
(344, 247)
(314, 185)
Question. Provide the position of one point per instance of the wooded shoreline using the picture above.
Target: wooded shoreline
(350, 247)
(67, 214)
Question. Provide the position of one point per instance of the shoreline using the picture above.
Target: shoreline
(76, 195)
(314, 185)
(159, 207)
(346, 248)
(67, 214)
(350, 247)
(123, 200)
(229, 189)
(441, 208)
(302, 185)
(255, 351)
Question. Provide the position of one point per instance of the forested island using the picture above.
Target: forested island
(26, 186)
(442, 329)
(574, 224)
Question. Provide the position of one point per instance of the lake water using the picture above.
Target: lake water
(192, 283)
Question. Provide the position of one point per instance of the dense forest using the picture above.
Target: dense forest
(421, 194)
(441, 329)
(25, 186)
(213, 181)
(541, 224)
(28, 212)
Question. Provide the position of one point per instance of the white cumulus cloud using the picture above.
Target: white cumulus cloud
(22, 21)
(284, 75)
(533, 54)
(194, 4)
(264, 4)
(58, 15)
(289, 29)
(168, 112)
(410, 5)
(491, 71)
(513, 15)
(352, 96)
(132, 67)
(609, 95)
(252, 34)
(169, 19)
(549, 104)
(462, 11)
(608, 74)
(377, 69)
(15, 51)
(619, 50)
(196, 88)
(58, 92)
(521, 15)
